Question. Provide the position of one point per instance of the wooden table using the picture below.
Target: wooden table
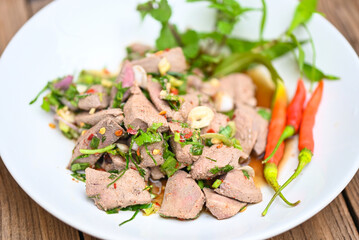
(22, 218)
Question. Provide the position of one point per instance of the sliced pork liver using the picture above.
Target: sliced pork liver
(154, 89)
(174, 56)
(93, 119)
(156, 173)
(213, 157)
(237, 186)
(183, 154)
(219, 120)
(245, 131)
(127, 191)
(183, 198)
(220, 206)
(97, 98)
(240, 87)
(261, 126)
(147, 161)
(83, 142)
(140, 113)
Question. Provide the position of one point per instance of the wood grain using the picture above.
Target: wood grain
(22, 218)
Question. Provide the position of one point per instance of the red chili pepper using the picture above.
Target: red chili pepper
(210, 131)
(174, 91)
(114, 186)
(188, 135)
(131, 131)
(90, 137)
(91, 91)
(306, 141)
(294, 117)
(276, 127)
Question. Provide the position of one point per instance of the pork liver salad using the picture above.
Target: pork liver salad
(173, 131)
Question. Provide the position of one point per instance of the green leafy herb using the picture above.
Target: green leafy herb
(213, 160)
(100, 150)
(95, 141)
(103, 138)
(170, 166)
(264, 114)
(159, 10)
(119, 95)
(217, 183)
(190, 40)
(137, 207)
(302, 14)
(79, 166)
(133, 217)
(245, 173)
(200, 184)
(113, 211)
(79, 157)
(86, 126)
(166, 38)
(117, 177)
(301, 56)
(197, 149)
(217, 169)
(314, 74)
(148, 137)
(88, 78)
(41, 92)
(79, 176)
(155, 126)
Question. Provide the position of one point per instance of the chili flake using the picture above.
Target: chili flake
(114, 186)
(220, 145)
(90, 137)
(118, 133)
(91, 90)
(138, 152)
(163, 113)
(102, 130)
(188, 135)
(131, 131)
(174, 91)
(210, 131)
(51, 125)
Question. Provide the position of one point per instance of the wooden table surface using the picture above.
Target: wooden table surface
(22, 218)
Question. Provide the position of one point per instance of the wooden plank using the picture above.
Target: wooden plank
(13, 14)
(36, 5)
(334, 222)
(22, 218)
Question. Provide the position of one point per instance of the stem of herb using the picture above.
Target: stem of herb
(100, 150)
(133, 217)
(313, 52)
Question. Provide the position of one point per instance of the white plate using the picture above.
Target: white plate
(68, 36)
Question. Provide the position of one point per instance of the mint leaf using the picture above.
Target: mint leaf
(302, 14)
(314, 74)
(190, 40)
(225, 27)
(166, 38)
(163, 12)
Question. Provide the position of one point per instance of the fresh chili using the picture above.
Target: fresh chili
(306, 140)
(276, 127)
(294, 117)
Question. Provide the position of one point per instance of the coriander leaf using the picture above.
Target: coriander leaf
(217, 169)
(314, 74)
(226, 131)
(95, 141)
(302, 14)
(155, 126)
(38, 95)
(196, 149)
(166, 38)
(79, 166)
(200, 184)
(170, 166)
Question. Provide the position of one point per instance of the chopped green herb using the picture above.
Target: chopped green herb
(213, 160)
(147, 188)
(149, 154)
(217, 169)
(86, 126)
(217, 183)
(133, 217)
(196, 149)
(103, 138)
(117, 177)
(170, 166)
(79, 176)
(79, 166)
(100, 150)
(119, 95)
(137, 207)
(113, 211)
(95, 141)
(200, 184)
(246, 174)
(79, 157)
(189, 167)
